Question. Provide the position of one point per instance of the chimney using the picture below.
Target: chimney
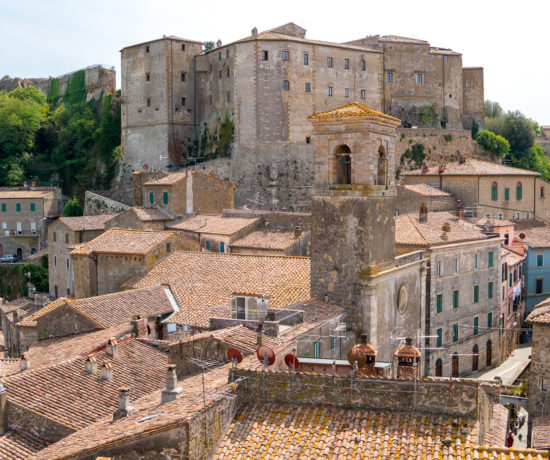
(172, 391)
(423, 212)
(139, 326)
(25, 361)
(3, 409)
(219, 43)
(91, 365)
(107, 372)
(408, 360)
(297, 232)
(254, 32)
(112, 347)
(124, 408)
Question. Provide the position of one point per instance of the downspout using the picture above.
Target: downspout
(534, 197)
(195, 101)
(383, 79)
(443, 93)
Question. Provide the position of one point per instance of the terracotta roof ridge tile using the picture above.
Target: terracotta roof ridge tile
(417, 229)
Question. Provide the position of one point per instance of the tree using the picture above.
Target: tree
(207, 46)
(39, 276)
(73, 208)
(427, 115)
(29, 93)
(492, 109)
(519, 131)
(535, 160)
(493, 143)
(475, 129)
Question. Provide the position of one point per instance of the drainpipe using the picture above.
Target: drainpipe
(195, 102)
(383, 79)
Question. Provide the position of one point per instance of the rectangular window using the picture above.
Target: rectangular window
(147, 77)
(67, 263)
(148, 102)
(164, 197)
(500, 216)
(494, 192)
(265, 55)
(33, 207)
(439, 303)
(219, 56)
(363, 94)
(540, 260)
(330, 91)
(329, 62)
(54, 237)
(469, 84)
(332, 342)
(476, 294)
(18, 207)
(516, 215)
(306, 59)
(445, 58)
(207, 244)
(363, 65)
(539, 282)
(3, 207)
(222, 246)
(227, 72)
(285, 56)
(542, 192)
(439, 268)
(490, 290)
(455, 332)
(490, 319)
(182, 76)
(183, 46)
(491, 262)
(544, 385)
(55, 261)
(419, 78)
(183, 100)
(346, 92)
(455, 299)
(308, 87)
(476, 261)
(506, 194)
(67, 238)
(220, 74)
(227, 53)
(519, 192)
(439, 341)
(147, 49)
(286, 85)
(346, 63)
(389, 77)
(317, 349)
(455, 265)
(505, 272)
(228, 96)
(151, 198)
(527, 215)
(476, 325)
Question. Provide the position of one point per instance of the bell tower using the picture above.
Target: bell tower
(352, 204)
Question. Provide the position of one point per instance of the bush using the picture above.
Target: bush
(448, 137)
(73, 208)
(492, 143)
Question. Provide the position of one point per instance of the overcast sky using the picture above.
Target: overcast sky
(509, 39)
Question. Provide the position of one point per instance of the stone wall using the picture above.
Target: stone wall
(409, 201)
(40, 426)
(95, 204)
(473, 96)
(539, 398)
(63, 321)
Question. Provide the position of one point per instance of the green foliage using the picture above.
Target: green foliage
(415, 153)
(29, 93)
(73, 208)
(427, 115)
(12, 282)
(493, 109)
(53, 92)
(16, 175)
(225, 136)
(44, 261)
(535, 160)
(75, 92)
(38, 278)
(207, 46)
(109, 138)
(492, 143)
(448, 137)
(519, 131)
(475, 129)
(217, 144)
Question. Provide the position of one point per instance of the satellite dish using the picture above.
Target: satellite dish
(291, 361)
(522, 236)
(357, 356)
(265, 352)
(233, 353)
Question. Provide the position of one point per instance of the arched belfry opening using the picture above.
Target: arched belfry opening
(342, 165)
(382, 172)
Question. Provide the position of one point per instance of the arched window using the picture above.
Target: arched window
(439, 368)
(455, 365)
(342, 165)
(382, 167)
(494, 191)
(475, 358)
(489, 356)
(519, 191)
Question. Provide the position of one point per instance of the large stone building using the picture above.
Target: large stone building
(250, 100)
(539, 377)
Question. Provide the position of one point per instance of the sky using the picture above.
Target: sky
(39, 38)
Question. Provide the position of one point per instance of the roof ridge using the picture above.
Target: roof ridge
(417, 229)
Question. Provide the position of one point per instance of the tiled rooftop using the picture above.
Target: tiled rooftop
(112, 309)
(472, 167)
(124, 241)
(87, 222)
(67, 395)
(541, 432)
(538, 237)
(149, 214)
(425, 190)
(496, 436)
(265, 239)
(202, 281)
(218, 225)
(410, 232)
(17, 445)
(400, 39)
(37, 194)
(489, 221)
(169, 179)
(541, 313)
(354, 109)
(8, 366)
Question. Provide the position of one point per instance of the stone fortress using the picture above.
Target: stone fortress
(248, 101)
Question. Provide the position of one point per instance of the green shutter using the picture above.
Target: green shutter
(18, 207)
(165, 197)
(455, 299)
(439, 337)
(476, 324)
(222, 246)
(207, 244)
(489, 319)
(519, 192)
(490, 259)
(506, 194)
(3, 207)
(494, 192)
(476, 294)
(455, 332)
(151, 198)
(490, 290)
(33, 207)
(439, 303)
(317, 349)
(540, 260)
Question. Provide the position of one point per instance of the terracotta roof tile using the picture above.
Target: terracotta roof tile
(17, 445)
(87, 222)
(425, 190)
(202, 223)
(472, 167)
(8, 366)
(37, 194)
(30, 321)
(351, 110)
(169, 179)
(489, 221)
(146, 214)
(541, 432)
(538, 237)
(265, 239)
(496, 435)
(541, 313)
(202, 282)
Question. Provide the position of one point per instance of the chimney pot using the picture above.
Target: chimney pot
(297, 232)
(112, 347)
(91, 365)
(423, 212)
(25, 361)
(172, 391)
(219, 43)
(124, 408)
(139, 326)
(107, 372)
(255, 32)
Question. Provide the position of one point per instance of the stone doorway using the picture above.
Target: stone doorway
(439, 368)
(342, 163)
(19, 253)
(382, 166)
(455, 365)
(475, 358)
(489, 357)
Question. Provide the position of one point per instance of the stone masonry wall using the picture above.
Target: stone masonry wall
(95, 204)
(539, 399)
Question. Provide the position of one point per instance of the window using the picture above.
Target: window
(286, 85)
(476, 293)
(66, 238)
(210, 99)
(3, 207)
(500, 216)
(519, 191)
(476, 325)
(491, 262)
(489, 319)
(419, 78)
(438, 83)
(183, 46)
(516, 215)
(455, 299)
(506, 239)
(54, 237)
(147, 77)
(207, 244)
(469, 84)
(445, 58)
(346, 92)
(542, 192)
(455, 332)
(227, 72)
(222, 246)
(148, 102)
(439, 303)
(329, 62)
(265, 55)
(504, 272)
(67, 263)
(439, 333)
(182, 76)
(228, 96)
(490, 290)
(306, 59)
(285, 56)
(308, 87)
(55, 261)
(540, 260)
(227, 53)
(503, 293)
(544, 385)
(346, 63)
(439, 268)
(168, 247)
(506, 194)
(308, 140)
(317, 349)
(363, 65)
(363, 94)
(476, 261)
(539, 282)
(151, 198)
(494, 191)
(164, 197)
(332, 342)
(527, 215)
(183, 100)
(219, 56)
(146, 50)
(220, 74)
(417, 47)
(330, 91)
(455, 265)
(18, 207)
(389, 77)
(32, 207)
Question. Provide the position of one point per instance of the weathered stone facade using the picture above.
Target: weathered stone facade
(539, 377)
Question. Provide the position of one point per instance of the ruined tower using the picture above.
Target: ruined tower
(352, 204)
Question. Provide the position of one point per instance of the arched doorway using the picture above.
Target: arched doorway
(489, 356)
(382, 167)
(439, 368)
(455, 365)
(342, 165)
(475, 358)
(19, 253)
